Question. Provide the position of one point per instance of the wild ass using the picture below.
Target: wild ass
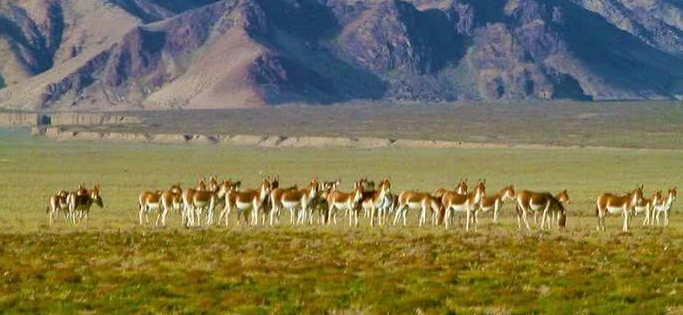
(243, 201)
(79, 204)
(341, 201)
(416, 200)
(299, 199)
(495, 202)
(454, 202)
(374, 201)
(666, 206)
(58, 203)
(617, 204)
(543, 203)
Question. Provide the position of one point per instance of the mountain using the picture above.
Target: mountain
(161, 54)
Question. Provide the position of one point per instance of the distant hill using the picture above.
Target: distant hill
(161, 54)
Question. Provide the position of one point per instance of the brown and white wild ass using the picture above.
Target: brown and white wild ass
(162, 201)
(495, 202)
(341, 201)
(58, 203)
(666, 206)
(299, 200)
(374, 201)
(416, 200)
(608, 203)
(454, 202)
(648, 206)
(275, 204)
(543, 203)
(244, 201)
(79, 204)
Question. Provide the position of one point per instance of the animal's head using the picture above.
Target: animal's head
(224, 187)
(275, 183)
(461, 188)
(480, 190)
(508, 193)
(201, 185)
(563, 197)
(175, 189)
(95, 196)
(672, 194)
(367, 184)
(314, 186)
(333, 185)
(62, 193)
(385, 187)
(637, 195)
(656, 197)
(81, 190)
(357, 192)
(213, 182)
(265, 188)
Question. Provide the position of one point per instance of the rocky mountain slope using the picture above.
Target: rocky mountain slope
(160, 54)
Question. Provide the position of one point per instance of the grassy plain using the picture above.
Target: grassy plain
(114, 266)
(613, 124)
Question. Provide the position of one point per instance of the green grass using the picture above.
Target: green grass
(115, 266)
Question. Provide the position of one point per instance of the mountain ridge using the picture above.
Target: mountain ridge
(152, 54)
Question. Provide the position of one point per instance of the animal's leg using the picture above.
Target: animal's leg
(397, 214)
(468, 214)
(666, 217)
(526, 222)
(496, 207)
(141, 213)
(625, 214)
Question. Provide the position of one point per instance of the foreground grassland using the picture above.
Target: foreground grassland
(115, 266)
(312, 270)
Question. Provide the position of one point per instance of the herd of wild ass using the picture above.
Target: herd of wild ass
(323, 201)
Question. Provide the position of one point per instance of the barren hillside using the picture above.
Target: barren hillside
(151, 54)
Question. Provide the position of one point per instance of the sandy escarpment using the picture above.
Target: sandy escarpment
(273, 141)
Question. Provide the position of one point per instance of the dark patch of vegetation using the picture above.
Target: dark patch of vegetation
(313, 272)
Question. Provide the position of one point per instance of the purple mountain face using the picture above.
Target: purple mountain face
(153, 54)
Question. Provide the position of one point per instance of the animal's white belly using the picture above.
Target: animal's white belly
(243, 205)
(342, 205)
(201, 203)
(153, 205)
(536, 207)
(290, 204)
(459, 208)
(486, 209)
(415, 205)
(614, 210)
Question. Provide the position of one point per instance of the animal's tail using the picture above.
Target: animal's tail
(597, 211)
(47, 209)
